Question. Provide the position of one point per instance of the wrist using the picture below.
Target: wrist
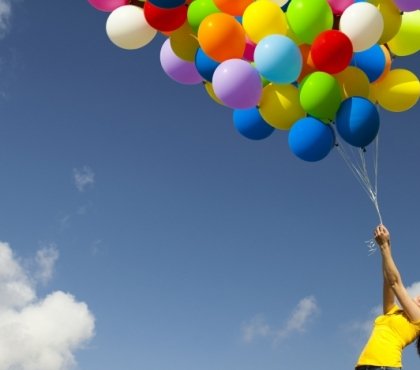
(385, 246)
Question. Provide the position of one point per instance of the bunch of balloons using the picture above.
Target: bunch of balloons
(298, 65)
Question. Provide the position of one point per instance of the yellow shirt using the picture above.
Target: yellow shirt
(391, 333)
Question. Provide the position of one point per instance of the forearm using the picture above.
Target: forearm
(388, 294)
(390, 270)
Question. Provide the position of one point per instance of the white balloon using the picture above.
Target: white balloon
(363, 24)
(127, 28)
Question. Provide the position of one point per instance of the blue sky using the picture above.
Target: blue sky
(140, 231)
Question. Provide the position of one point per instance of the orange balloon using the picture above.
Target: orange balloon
(388, 62)
(221, 37)
(232, 7)
(307, 63)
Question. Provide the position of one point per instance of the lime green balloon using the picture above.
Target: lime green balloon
(198, 10)
(307, 18)
(407, 40)
(320, 95)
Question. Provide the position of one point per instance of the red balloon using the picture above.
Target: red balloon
(331, 51)
(165, 19)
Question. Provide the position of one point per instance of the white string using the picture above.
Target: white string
(356, 160)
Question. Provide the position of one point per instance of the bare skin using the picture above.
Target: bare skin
(393, 285)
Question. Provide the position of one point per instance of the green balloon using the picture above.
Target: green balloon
(198, 10)
(320, 96)
(307, 18)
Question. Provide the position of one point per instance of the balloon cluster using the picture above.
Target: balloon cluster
(298, 65)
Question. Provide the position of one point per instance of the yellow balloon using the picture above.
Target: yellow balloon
(280, 106)
(263, 18)
(184, 42)
(209, 88)
(407, 40)
(398, 91)
(353, 82)
(278, 2)
(392, 18)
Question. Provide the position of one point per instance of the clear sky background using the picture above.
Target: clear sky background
(140, 231)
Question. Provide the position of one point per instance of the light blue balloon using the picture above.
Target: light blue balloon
(278, 59)
(311, 139)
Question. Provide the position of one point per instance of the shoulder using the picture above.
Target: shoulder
(393, 309)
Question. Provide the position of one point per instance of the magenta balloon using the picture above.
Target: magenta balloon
(237, 84)
(249, 51)
(339, 6)
(108, 5)
(178, 69)
(407, 5)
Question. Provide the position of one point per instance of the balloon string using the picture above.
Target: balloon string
(357, 163)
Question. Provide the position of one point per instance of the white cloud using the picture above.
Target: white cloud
(257, 327)
(304, 311)
(5, 14)
(45, 260)
(414, 289)
(302, 314)
(35, 333)
(15, 288)
(83, 178)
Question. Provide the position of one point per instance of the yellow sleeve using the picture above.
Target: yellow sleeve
(393, 309)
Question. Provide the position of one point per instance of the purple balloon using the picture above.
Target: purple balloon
(407, 5)
(178, 69)
(237, 84)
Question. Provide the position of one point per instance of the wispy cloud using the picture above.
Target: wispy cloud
(83, 178)
(47, 331)
(255, 328)
(45, 260)
(303, 313)
(5, 15)
(306, 309)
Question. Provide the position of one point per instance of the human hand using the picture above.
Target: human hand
(382, 236)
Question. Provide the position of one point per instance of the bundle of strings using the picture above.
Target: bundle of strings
(363, 163)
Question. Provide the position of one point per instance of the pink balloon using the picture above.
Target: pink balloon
(339, 6)
(108, 5)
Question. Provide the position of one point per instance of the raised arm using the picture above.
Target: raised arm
(392, 276)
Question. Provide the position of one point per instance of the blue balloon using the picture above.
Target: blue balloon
(357, 121)
(205, 65)
(167, 4)
(278, 59)
(250, 124)
(371, 61)
(285, 6)
(311, 139)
